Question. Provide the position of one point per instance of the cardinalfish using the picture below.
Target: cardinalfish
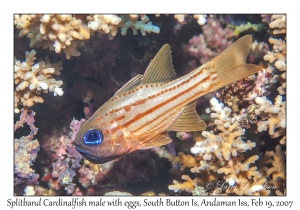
(144, 109)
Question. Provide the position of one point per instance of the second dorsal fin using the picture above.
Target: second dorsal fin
(188, 120)
(160, 69)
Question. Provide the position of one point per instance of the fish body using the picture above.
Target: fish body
(145, 108)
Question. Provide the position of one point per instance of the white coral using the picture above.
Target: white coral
(65, 32)
(228, 142)
(275, 115)
(32, 79)
(278, 23)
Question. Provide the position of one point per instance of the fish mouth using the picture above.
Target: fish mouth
(93, 158)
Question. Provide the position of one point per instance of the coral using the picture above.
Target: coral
(74, 126)
(187, 161)
(143, 25)
(273, 165)
(209, 44)
(277, 170)
(31, 80)
(199, 191)
(29, 190)
(245, 179)
(258, 49)
(221, 154)
(228, 142)
(217, 161)
(279, 55)
(273, 116)
(278, 24)
(117, 193)
(201, 19)
(90, 174)
(25, 151)
(240, 96)
(246, 28)
(64, 161)
(28, 118)
(58, 32)
(188, 185)
(106, 24)
(180, 18)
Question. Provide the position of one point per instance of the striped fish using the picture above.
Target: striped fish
(139, 114)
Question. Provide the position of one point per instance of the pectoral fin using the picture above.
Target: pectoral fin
(188, 120)
(158, 140)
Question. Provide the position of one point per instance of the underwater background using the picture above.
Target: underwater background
(67, 66)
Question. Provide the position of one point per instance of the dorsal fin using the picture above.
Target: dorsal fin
(160, 69)
(135, 81)
(188, 120)
(159, 140)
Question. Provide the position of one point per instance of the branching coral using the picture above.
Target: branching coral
(273, 116)
(218, 161)
(279, 55)
(201, 19)
(143, 25)
(218, 154)
(228, 142)
(277, 171)
(209, 44)
(278, 164)
(64, 32)
(56, 32)
(65, 160)
(25, 148)
(25, 154)
(32, 79)
(188, 185)
(278, 24)
(243, 179)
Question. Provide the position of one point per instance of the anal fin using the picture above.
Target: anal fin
(188, 120)
(159, 140)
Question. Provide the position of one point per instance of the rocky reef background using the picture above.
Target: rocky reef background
(92, 56)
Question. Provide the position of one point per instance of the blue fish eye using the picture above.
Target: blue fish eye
(92, 137)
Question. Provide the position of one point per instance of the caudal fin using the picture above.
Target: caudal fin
(230, 65)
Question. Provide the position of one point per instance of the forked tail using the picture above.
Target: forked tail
(230, 65)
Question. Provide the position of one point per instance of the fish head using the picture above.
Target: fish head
(101, 142)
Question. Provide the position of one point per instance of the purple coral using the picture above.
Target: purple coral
(209, 44)
(25, 149)
(25, 154)
(75, 125)
(64, 160)
(28, 118)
